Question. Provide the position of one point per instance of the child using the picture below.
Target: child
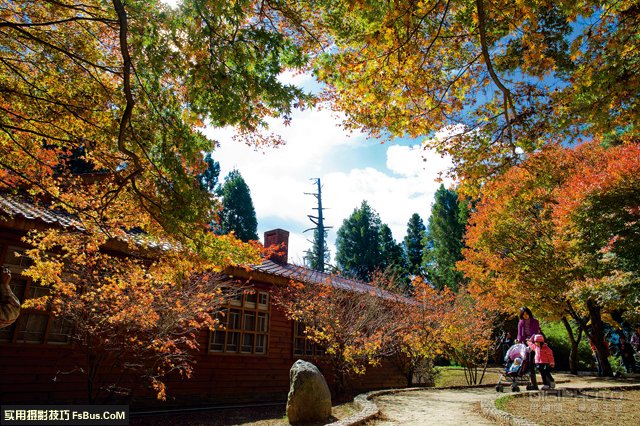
(515, 366)
(544, 361)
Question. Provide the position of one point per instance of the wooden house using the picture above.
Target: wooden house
(248, 361)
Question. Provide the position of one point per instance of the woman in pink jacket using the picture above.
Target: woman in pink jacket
(544, 361)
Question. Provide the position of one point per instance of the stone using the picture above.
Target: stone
(309, 396)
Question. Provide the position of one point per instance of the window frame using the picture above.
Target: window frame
(310, 349)
(21, 325)
(240, 307)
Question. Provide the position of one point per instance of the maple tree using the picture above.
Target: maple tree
(598, 208)
(421, 324)
(597, 217)
(512, 257)
(559, 233)
(351, 322)
(468, 334)
(127, 314)
(597, 223)
(489, 79)
(131, 84)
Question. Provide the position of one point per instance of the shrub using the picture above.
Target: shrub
(558, 340)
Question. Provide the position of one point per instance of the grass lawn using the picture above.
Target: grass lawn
(454, 376)
(592, 408)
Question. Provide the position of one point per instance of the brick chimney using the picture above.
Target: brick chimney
(278, 237)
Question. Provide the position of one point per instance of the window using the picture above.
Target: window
(32, 326)
(302, 346)
(244, 325)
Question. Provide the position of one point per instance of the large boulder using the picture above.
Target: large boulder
(309, 397)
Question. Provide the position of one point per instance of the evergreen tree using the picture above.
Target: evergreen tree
(238, 214)
(209, 178)
(445, 239)
(392, 259)
(414, 244)
(391, 253)
(358, 243)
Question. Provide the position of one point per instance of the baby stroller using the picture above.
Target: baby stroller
(516, 368)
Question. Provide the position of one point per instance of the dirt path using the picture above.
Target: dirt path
(438, 407)
(459, 406)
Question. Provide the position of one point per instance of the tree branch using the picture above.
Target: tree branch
(51, 23)
(508, 102)
(125, 120)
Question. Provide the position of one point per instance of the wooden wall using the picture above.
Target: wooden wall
(43, 373)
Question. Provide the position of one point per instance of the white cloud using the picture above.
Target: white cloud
(279, 176)
(414, 161)
(171, 3)
(395, 198)
(316, 146)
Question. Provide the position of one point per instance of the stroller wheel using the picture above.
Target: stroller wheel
(499, 388)
(515, 388)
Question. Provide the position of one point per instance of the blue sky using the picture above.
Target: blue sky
(392, 176)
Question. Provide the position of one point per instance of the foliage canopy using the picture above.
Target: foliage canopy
(490, 79)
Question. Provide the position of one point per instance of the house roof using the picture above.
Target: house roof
(16, 205)
(282, 273)
(302, 274)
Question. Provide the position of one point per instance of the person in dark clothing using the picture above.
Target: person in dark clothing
(626, 354)
(528, 326)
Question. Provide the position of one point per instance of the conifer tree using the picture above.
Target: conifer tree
(392, 260)
(414, 244)
(209, 178)
(313, 259)
(358, 243)
(238, 214)
(445, 239)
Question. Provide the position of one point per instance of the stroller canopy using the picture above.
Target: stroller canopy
(519, 350)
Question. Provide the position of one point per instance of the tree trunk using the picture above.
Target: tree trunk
(573, 355)
(597, 337)
(409, 377)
